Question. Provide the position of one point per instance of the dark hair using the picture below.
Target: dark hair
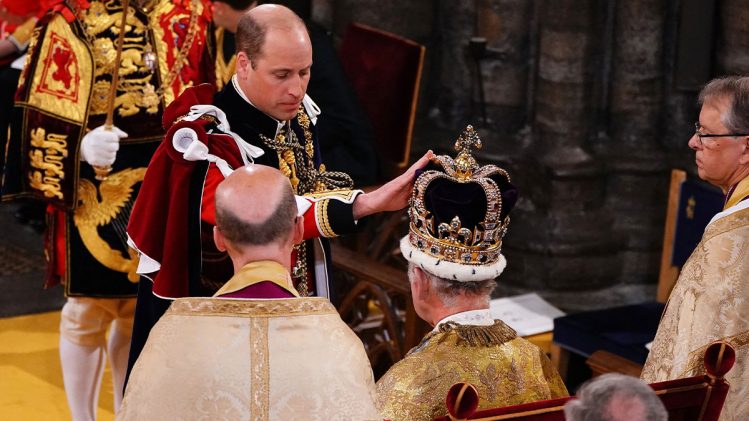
(273, 229)
(736, 90)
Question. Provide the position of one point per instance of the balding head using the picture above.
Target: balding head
(254, 26)
(255, 206)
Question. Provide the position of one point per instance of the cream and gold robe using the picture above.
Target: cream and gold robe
(251, 359)
(710, 301)
(506, 370)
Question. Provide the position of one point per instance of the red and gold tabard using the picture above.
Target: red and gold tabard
(63, 93)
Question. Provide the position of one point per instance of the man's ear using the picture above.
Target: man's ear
(218, 238)
(423, 286)
(298, 235)
(744, 158)
(244, 65)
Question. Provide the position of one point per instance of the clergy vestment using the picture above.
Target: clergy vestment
(710, 302)
(254, 359)
(467, 347)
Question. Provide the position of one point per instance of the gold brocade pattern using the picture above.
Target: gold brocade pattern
(709, 302)
(63, 75)
(116, 193)
(253, 308)
(252, 364)
(46, 156)
(505, 373)
(259, 370)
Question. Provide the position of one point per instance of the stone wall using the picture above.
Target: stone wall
(577, 99)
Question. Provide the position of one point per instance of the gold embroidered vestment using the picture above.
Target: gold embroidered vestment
(710, 301)
(272, 359)
(509, 371)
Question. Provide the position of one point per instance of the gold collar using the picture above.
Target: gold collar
(256, 272)
(740, 192)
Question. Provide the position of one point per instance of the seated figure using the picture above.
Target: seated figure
(458, 217)
(255, 350)
(615, 397)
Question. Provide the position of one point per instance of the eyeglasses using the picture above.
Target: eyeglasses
(700, 135)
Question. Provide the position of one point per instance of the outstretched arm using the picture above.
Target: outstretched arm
(391, 196)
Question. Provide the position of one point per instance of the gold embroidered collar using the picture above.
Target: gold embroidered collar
(738, 193)
(256, 272)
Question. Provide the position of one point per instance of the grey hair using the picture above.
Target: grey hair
(736, 90)
(596, 395)
(449, 290)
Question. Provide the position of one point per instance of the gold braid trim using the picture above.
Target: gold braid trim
(473, 335)
(321, 213)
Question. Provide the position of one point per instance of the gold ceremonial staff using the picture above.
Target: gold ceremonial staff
(102, 171)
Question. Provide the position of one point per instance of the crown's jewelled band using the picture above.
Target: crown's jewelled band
(453, 253)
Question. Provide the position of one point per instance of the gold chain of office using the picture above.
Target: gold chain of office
(297, 162)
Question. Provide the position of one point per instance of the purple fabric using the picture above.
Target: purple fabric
(265, 289)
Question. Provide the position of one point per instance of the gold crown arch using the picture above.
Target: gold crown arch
(452, 242)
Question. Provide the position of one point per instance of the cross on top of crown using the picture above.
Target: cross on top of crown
(467, 140)
(465, 163)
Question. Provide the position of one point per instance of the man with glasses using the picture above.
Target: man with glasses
(709, 301)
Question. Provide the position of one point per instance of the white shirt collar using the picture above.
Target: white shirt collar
(280, 124)
(735, 208)
(481, 317)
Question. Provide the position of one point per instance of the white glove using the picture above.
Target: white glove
(99, 146)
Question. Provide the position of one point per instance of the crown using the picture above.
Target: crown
(459, 215)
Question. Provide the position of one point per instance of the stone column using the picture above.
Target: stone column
(565, 80)
(455, 24)
(506, 25)
(560, 241)
(638, 185)
(733, 37)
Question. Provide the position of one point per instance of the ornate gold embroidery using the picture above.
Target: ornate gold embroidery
(32, 47)
(47, 158)
(91, 213)
(504, 374)
(251, 308)
(496, 334)
(135, 91)
(260, 369)
(170, 71)
(63, 75)
(344, 195)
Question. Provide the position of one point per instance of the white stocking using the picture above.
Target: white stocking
(118, 349)
(82, 368)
